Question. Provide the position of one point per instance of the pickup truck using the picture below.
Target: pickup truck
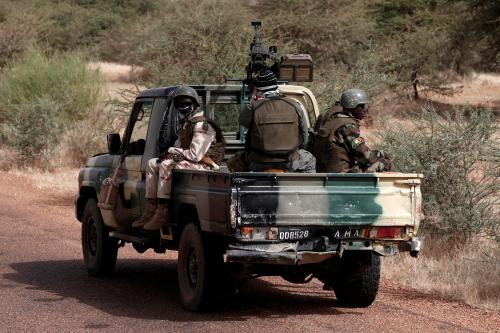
(228, 227)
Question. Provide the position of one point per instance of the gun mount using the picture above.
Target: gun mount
(290, 67)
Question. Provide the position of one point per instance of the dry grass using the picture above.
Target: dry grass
(7, 158)
(62, 180)
(471, 274)
(118, 72)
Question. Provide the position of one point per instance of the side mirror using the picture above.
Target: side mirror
(114, 143)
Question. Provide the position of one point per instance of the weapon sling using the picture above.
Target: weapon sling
(108, 196)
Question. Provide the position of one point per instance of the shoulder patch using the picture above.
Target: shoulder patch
(204, 126)
(358, 141)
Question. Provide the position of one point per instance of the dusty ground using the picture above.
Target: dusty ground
(478, 89)
(46, 288)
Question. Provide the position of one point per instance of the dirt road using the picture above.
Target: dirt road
(44, 287)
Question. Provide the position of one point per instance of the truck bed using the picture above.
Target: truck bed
(294, 199)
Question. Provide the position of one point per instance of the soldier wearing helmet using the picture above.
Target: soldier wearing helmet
(338, 145)
(277, 131)
(199, 146)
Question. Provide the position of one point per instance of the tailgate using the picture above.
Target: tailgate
(336, 200)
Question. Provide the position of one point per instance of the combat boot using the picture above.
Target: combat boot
(159, 218)
(151, 206)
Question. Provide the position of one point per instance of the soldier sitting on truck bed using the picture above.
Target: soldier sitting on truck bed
(277, 131)
(338, 145)
(200, 146)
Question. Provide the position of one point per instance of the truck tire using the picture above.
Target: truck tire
(99, 250)
(198, 269)
(361, 289)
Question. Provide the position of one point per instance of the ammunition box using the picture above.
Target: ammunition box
(296, 67)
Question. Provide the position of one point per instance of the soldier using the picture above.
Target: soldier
(277, 131)
(199, 146)
(338, 145)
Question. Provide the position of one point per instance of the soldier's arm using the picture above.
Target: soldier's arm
(246, 116)
(203, 136)
(304, 129)
(355, 144)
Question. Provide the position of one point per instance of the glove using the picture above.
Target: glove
(175, 154)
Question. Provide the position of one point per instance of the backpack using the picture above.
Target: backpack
(275, 128)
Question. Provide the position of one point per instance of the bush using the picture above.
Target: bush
(19, 29)
(42, 97)
(84, 24)
(459, 154)
(192, 42)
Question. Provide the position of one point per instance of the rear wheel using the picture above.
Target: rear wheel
(199, 269)
(99, 250)
(360, 287)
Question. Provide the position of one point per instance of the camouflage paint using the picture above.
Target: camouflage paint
(330, 200)
(129, 177)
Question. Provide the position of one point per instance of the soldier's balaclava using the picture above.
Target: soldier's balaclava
(185, 106)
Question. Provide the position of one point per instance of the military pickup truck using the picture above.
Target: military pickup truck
(234, 226)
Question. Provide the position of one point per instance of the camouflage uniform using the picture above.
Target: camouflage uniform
(159, 173)
(339, 146)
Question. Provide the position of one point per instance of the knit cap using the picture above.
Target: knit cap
(266, 81)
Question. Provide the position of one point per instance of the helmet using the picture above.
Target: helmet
(189, 92)
(352, 98)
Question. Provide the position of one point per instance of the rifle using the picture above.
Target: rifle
(108, 195)
(259, 55)
(290, 67)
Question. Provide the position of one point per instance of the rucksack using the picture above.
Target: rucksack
(275, 128)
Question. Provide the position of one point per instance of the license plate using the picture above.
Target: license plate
(347, 233)
(288, 234)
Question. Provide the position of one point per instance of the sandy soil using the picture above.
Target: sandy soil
(478, 89)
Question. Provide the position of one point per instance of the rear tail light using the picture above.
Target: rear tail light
(387, 232)
(259, 233)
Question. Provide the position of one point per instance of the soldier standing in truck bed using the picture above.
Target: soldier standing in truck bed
(277, 131)
(338, 145)
(199, 138)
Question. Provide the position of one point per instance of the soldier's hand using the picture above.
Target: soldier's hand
(177, 157)
(387, 164)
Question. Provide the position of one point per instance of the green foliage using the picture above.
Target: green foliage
(395, 45)
(193, 42)
(84, 23)
(394, 16)
(75, 27)
(43, 96)
(479, 31)
(32, 131)
(459, 154)
(18, 30)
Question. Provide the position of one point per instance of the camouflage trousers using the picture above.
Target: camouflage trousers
(159, 176)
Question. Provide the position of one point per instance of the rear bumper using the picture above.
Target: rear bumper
(312, 252)
(278, 254)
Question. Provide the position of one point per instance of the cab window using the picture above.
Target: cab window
(138, 127)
